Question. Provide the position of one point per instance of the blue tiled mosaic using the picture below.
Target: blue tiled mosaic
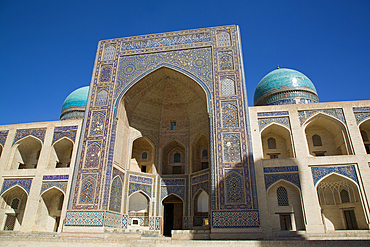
(47, 185)
(199, 179)
(84, 218)
(174, 181)
(361, 116)
(361, 109)
(24, 183)
(176, 190)
(336, 113)
(112, 220)
(266, 121)
(290, 177)
(194, 188)
(55, 177)
(235, 219)
(320, 172)
(147, 189)
(280, 169)
(142, 180)
(39, 133)
(272, 114)
(60, 132)
(3, 135)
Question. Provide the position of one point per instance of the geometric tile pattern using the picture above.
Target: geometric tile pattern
(262, 122)
(227, 87)
(336, 113)
(112, 220)
(69, 131)
(196, 61)
(105, 73)
(102, 96)
(234, 186)
(155, 223)
(223, 39)
(88, 189)
(24, 183)
(235, 219)
(226, 60)
(124, 221)
(229, 114)
(92, 155)
(109, 51)
(3, 135)
(175, 181)
(195, 187)
(177, 190)
(60, 185)
(84, 218)
(361, 116)
(280, 169)
(97, 123)
(348, 171)
(147, 189)
(231, 148)
(142, 180)
(39, 133)
(116, 195)
(270, 114)
(290, 177)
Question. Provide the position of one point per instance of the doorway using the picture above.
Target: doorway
(172, 214)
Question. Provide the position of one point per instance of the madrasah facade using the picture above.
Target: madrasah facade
(163, 142)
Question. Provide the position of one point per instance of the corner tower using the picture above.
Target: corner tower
(165, 143)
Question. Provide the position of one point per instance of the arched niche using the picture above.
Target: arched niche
(151, 105)
(61, 153)
(173, 158)
(276, 142)
(331, 132)
(340, 203)
(12, 205)
(172, 214)
(365, 134)
(26, 153)
(200, 153)
(201, 209)
(285, 208)
(142, 157)
(139, 209)
(49, 210)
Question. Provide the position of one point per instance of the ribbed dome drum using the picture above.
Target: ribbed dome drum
(74, 105)
(285, 86)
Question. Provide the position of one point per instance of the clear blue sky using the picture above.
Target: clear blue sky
(47, 48)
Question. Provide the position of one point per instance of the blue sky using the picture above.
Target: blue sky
(47, 48)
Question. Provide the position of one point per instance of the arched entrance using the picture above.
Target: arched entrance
(172, 214)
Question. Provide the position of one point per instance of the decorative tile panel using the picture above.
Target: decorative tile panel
(60, 132)
(173, 181)
(177, 190)
(204, 186)
(226, 60)
(234, 186)
(3, 135)
(167, 41)
(227, 87)
(361, 109)
(112, 220)
(88, 189)
(47, 185)
(290, 177)
(348, 171)
(92, 155)
(199, 179)
(280, 169)
(155, 223)
(102, 96)
(147, 189)
(142, 180)
(39, 133)
(196, 61)
(262, 122)
(235, 219)
(231, 146)
(361, 116)
(55, 177)
(116, 195)
(109, 51)
(84, 218)
(97, 123)
(117, 172)
(223, 39)
(272, 114)
(105, 73)
(24, 183)
(336, 113)
(230, 114)
(124, 221)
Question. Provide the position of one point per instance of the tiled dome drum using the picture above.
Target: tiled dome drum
(285, 86)
(74, 105)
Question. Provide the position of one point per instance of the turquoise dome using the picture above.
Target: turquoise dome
(75, 104)
(285, 86)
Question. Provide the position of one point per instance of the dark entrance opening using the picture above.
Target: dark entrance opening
(172, 213)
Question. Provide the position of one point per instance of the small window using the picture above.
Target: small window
(176, 170)
(364, 136)
(177, 158)
(205, 153)
(144, 156)
(282, 196)
(15, 203)
(271, 143)
(316, 139)
(173, 125)
(344, 196)
(143, 168)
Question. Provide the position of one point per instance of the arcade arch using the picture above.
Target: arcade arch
(365, 134)
(61, 153)
(276, 142)
(13, 203)
(26, 153)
